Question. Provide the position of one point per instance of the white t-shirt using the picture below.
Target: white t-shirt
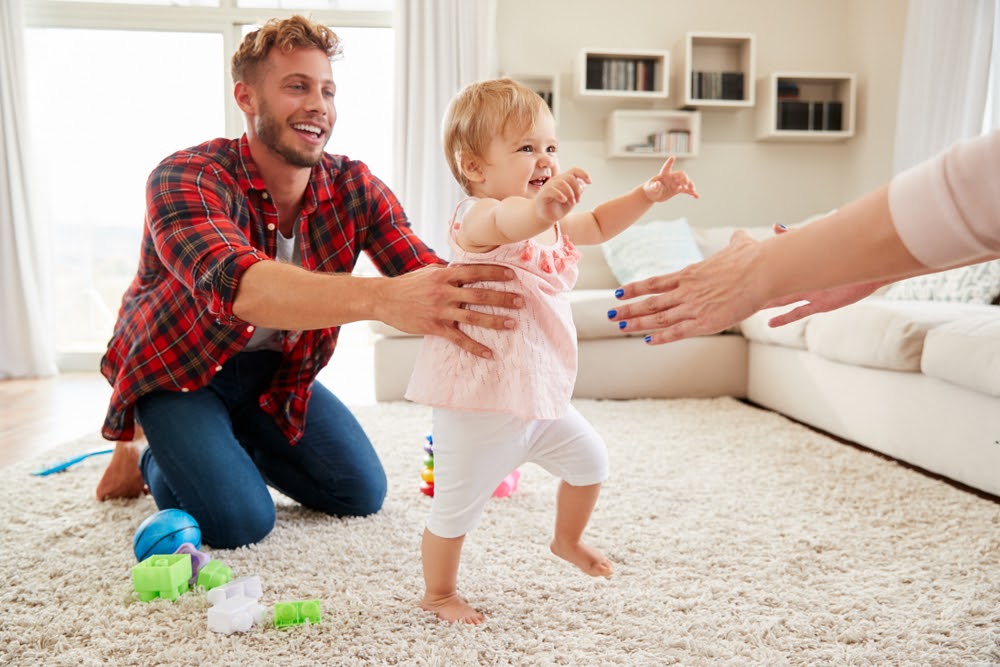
(289, 252)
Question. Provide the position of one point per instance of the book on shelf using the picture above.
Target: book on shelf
(625, 74)
(717, 85)
(815, 116)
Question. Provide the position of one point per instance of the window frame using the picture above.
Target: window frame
(227, 19)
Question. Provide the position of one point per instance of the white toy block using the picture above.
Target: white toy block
(235, 614)
(243, 587)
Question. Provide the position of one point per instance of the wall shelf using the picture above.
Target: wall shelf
(654, 133)
(806, 106)
(623, 73)
(718, 70)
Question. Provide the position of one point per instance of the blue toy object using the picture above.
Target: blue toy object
(63, 465)
(164, 532)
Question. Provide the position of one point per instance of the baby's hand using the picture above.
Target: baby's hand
(668, 183)
(560, 194)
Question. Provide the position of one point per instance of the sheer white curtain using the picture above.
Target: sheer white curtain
(442, 45)
(25, 344)
(945, 76)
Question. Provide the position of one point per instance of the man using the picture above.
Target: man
(217, 344)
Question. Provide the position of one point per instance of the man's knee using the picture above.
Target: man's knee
(238, 525)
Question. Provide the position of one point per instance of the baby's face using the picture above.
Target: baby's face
(518, 164)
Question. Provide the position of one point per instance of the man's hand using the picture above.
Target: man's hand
(432, 300)
(122, 478)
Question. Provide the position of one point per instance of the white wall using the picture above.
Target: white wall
(741, 181)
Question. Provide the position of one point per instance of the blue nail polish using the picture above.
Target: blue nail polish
(783, 227)
(648, 338)
(622, 325)
(619, 293)
(612, 313)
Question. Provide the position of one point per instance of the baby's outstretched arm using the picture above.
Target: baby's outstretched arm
(613, 216)
(491, 222)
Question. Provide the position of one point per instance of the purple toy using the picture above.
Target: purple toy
(198, 559)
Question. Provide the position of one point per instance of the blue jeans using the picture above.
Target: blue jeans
(213, 452)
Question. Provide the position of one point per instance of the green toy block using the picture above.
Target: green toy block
(213, 574)
(296, 613)
(162, 576)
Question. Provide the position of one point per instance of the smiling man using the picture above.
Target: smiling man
(244, 279)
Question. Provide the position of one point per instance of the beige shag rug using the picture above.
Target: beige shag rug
(739, 538)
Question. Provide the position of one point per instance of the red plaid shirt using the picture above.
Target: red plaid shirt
(208, 219)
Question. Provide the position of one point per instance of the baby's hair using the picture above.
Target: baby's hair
(482, 111)
(286, 35)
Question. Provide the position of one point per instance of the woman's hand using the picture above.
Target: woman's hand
(698, 300)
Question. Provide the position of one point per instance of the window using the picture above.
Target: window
(111, 93)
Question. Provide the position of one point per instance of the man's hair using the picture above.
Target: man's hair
(286, 35)
(482, 111)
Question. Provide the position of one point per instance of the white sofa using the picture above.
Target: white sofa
(916, 380)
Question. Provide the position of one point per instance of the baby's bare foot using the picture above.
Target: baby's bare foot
(588, 559)
(453, 609)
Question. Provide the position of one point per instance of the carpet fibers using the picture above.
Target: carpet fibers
(738, 537)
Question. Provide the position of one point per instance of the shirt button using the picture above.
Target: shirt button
(184, 390)
(270, 226)
(218, 368)
(264, 195)
(250, 328)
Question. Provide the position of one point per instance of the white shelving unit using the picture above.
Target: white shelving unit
(633, 128)
(623, 73)
(806, 106)
(546, 85)
(718, 70)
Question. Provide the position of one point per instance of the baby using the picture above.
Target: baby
(492, 415)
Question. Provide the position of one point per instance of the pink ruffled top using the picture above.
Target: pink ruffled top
(533, 369)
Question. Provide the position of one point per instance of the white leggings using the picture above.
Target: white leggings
(474, 451)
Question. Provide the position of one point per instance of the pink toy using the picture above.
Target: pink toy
(508, 486)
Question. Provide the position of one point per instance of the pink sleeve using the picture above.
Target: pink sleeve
(947, 209)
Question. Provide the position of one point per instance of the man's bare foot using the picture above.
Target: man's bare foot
(122, 478)
(453, 609)
(588, 559)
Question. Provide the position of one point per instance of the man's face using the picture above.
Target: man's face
(295, 114)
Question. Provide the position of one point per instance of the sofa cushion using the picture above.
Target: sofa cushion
(966, 352)
(650, 249)
(978, 283)
(882, 333)
(755, 328)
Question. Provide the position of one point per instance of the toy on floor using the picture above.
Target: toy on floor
(63, 465)
(162, 576)
(298, 612)
(236, 606)
(198, 559)
(505, 489)
(164, 532)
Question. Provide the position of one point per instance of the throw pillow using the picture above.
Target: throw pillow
(978, 283)
(650, 249)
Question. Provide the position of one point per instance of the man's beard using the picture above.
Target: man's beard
(269, 132)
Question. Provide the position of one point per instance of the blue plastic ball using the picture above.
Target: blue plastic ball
(164, 532)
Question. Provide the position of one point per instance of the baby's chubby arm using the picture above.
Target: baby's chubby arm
(613, 216)
(491, 222)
